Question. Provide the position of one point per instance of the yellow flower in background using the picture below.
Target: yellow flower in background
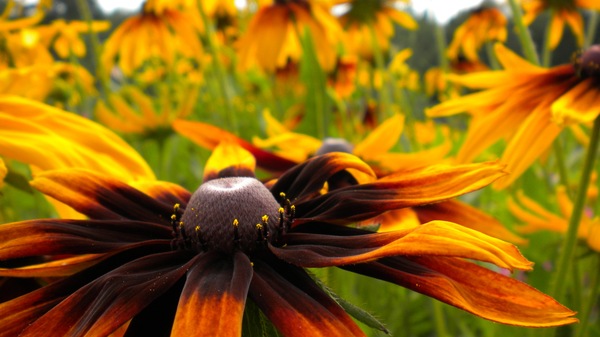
(135, 112)
(155, 38)
(405, 76)
(436, 80)
(48, 139)
(273, 38)
(26, 47)
(561, 12)
(536, 218)
(526, 105)
(364, 20)
(60, 83)
(65, 36)
(486, 24)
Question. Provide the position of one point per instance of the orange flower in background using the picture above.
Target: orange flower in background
(485, 24)
(535, 218)
(135, 112)
(365, 20)
(343, 77)
(526, 105)
(561, 12)
(158, 36)
(273, 38)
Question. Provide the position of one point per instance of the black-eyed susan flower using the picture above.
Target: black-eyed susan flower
(158, 35)
(485, 24)
(436, 81)
(535, 217)
(135, 112)
(65, 37)
(561, 12)
(274, 35)
(526, 105)
(292, 147)
(48, 138)
(175, 263)
(370, 24)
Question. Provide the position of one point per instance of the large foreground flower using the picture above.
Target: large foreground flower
(526, 105)
(181, 264)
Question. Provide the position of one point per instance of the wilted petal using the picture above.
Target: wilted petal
(108, 302)
(213, 298)
(403, 189)
(209, 136)
(229, 160)
(470, 287)
(436, 238)
(308, 178)
(296, 306)
(101, 197)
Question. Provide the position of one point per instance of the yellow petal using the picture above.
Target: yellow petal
(382, 139)
(229, 159)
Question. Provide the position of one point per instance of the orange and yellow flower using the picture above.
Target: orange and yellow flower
(273, 38)
(565, 11)
(135, 112)
(535, 218)
(485, 24)
(526, 105)
(370, 24)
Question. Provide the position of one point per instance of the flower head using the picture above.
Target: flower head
(524, 104)
(197, 258)
(565, 11)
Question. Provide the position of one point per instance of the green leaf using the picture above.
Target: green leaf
(256, 324)
(18, 181)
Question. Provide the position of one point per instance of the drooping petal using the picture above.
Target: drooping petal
(436, 238)
(295, 305)
(403, 189)
(309, 177)
(22, 311)
(465, 285)
(101, 197)
(229, 160)
(106, 303)
(58, 237)
(209, 136)
(468, 216)
(213, 298)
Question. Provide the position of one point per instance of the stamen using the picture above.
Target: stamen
(236, 234)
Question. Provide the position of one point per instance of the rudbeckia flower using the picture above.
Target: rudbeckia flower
(152, 36)
(565, 11)
(136, 112)
(186, 264)
(535, 218)
(48, 138)
(365, 20)
(486, 24)
(526, 105)
(65, 36)
(273, 37)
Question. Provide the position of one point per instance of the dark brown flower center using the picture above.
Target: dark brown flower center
(228, 214)
(588, 64)
(334, 145)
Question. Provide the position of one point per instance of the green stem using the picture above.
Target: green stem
(566, 257)
(440, 322)
(221, 75)
(546, 51)
(384, 95)
(489, 50)
(591, 28)
(584, 314)
(440, 40)
(562, 167)
(101, 74)
(523, 33)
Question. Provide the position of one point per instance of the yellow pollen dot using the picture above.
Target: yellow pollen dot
(280, 210)
(282, 195)
(173, 217)
(251, 264)
(180, 223)
(265, 218)
(235, 222)
(293, 208)
(259, 226)
(197, 229)
(176, 207)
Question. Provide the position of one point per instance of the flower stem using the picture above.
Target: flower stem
(523, 33)
(384, 94)
(566, 257)
(586, 310)
(440, 322)
(591, 29)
